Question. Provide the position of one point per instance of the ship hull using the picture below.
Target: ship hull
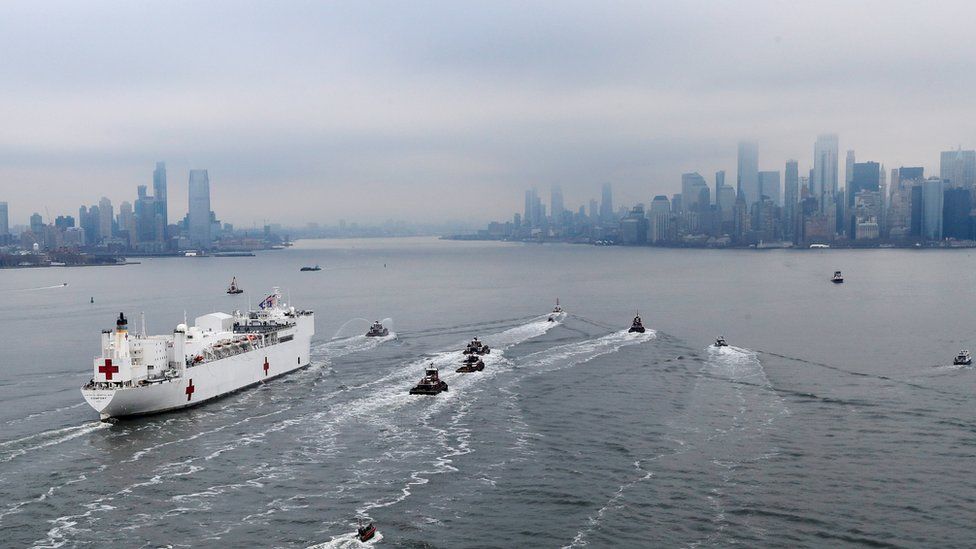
(203, 382)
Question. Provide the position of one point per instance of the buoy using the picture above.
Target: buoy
(92, 299)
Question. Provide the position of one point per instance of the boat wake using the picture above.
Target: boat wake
(573, 354)
(337, 348)
(12, 449)
(347, 541)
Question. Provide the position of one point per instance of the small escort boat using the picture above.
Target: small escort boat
(307, 269)
(837, 278)
(377, 330)
(637, 326)
(555, 311)
(470, 364)
(365, 533)
(430, 384)
(963, 358)
(234, 288)
(720, 342)
(476, 347)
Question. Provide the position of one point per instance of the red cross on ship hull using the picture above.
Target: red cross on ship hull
(108, 369)
(189, 391)
(266, 365)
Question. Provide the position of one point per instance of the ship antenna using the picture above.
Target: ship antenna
(143, 317)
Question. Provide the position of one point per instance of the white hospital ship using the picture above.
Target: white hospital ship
(220, 354)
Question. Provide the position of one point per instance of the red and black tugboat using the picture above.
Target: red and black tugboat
(430, 384)
(365, 533)
(637, 326)
(476, 347)
(471, 363)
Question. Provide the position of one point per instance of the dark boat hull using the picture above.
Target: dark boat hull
(636, 329)
(384, 333)
(429, 389)
(366, 534)
(235, 292)
(470, 368)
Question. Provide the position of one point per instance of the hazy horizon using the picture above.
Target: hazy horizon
(433, 111)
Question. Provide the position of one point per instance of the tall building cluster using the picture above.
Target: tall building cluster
(868, 206)
(141, 226)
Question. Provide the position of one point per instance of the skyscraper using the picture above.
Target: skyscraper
(849, 170)
(958, 168)
(866, 176)
(37, 224)
(4, 220)
(594, 209)
(747, 180)
(824, 180)
(127, 222)
(719, 183)
(660, 218)
(606, 205)
(769, 186)
(692, 185)
(932, 208)
(198, 217)
(160, 194)
(105, 216)
(792, 198)
(956, 207)
(556, 206)
(527, 214)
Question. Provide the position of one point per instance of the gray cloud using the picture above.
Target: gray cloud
(415, 110)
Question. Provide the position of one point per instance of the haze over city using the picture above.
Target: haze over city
(429, 111)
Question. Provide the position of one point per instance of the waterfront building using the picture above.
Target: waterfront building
(957, 206)
(634, 227)
(198, 217)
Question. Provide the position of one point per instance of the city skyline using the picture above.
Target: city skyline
(417, 113)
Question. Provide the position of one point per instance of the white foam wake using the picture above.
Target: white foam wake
(347, 541)
(15, 448)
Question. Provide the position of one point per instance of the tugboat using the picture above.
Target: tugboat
(430, 384)
(555, 311)
(476, 347)
(307, 269)
(963, 358)
(365, 533)
(234, 288)
(470, 364)
(637, 325)
(837, 278)
(377, 330)
(720, 342)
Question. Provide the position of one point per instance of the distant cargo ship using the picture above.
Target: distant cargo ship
(220, 354)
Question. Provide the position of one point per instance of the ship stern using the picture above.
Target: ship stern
(100, 400)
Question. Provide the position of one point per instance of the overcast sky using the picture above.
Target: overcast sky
(431, 111)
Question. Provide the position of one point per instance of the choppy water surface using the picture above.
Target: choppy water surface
(834, 419)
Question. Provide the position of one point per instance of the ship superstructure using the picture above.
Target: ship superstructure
(221, 353)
